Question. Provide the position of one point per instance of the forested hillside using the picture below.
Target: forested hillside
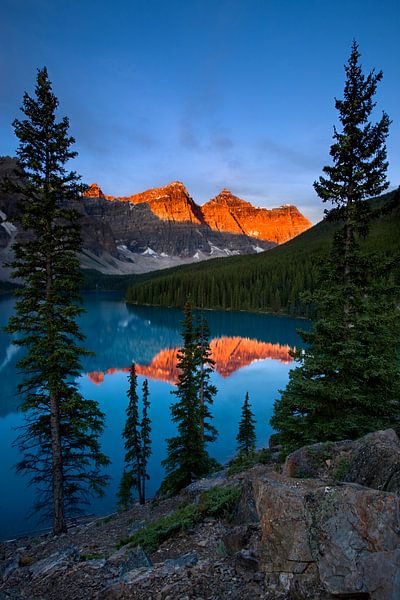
(271, 281)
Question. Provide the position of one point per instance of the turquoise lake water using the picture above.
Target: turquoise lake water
(251, 354)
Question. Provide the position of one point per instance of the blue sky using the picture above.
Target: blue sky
(215, 93)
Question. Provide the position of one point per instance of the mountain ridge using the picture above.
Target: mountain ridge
(225, 212)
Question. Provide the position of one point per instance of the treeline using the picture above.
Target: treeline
(272, 281)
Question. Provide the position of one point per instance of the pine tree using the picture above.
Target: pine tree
(60, 440)
(145, 440)
(132, 473)
(246, 437)
(206, 390)
(348, 379)
(187, 458)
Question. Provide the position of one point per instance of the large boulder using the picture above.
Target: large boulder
(372, 461)
(321, 542)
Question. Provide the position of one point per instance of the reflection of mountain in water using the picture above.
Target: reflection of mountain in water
(119, 333)
(229, 354)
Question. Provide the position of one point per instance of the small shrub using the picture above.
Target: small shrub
(242, 462)
(93, 556)
(216, 502)
(342, 469)
(219, 502)
(155, 533)
(26, 561)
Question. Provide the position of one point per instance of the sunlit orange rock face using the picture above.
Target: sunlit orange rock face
(229, 353)
(95, 191)
(170, 202)
(225, 212)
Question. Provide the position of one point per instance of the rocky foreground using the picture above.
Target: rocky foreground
(324, 525)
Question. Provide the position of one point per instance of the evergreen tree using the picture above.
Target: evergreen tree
(145, 440)
(59, 441)
(187, 458)
(246, 437)
(132, 473)
(348, 378)
(206, 390)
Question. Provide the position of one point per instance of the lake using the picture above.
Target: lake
(251, 352)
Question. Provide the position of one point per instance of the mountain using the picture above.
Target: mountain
(224, 213)
(271, 281)
(159, 228)
(227, 212)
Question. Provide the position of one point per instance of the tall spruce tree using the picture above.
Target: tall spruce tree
(60, 440)
(145, 440)
(246, 437)
(187, 457)
(206, 390)
(348, 378)
(131, 477)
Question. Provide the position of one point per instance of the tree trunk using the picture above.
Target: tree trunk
(59, 522)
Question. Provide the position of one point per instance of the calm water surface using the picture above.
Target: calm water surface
(251, 353)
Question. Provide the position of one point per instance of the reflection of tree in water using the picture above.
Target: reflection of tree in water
(229, 353)
(119, 333)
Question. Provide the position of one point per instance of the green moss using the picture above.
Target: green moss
(242, 462)
(93, 556)
(342, 469)
(217, 502)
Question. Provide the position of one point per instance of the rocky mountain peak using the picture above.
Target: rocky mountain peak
(225, 213)
(94, 191)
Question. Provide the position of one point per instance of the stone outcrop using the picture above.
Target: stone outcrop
(286, 538)
(321, 542)
(372, 461)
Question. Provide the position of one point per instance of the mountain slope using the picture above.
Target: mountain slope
(157, 229)
(271, 281)
(225, 213)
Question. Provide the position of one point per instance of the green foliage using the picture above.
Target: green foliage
(60, 439)
(246, 437)
(347, 381)
(205, 366)
(242, 462)
(187, 458)
(322, 452)
(90, 556)
(217, 502)
(137, 444)
(342, 469)
(251, 282)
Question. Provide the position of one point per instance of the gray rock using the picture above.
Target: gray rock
(236, 539)
(372, 461)
(135, 527)
(136, 559)
(8, 567)
(136, 575)
(322, 541)
(127, 559)
(186, 560)
(59, 560)
(246, 511)
(375, 461)
(246, 560)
